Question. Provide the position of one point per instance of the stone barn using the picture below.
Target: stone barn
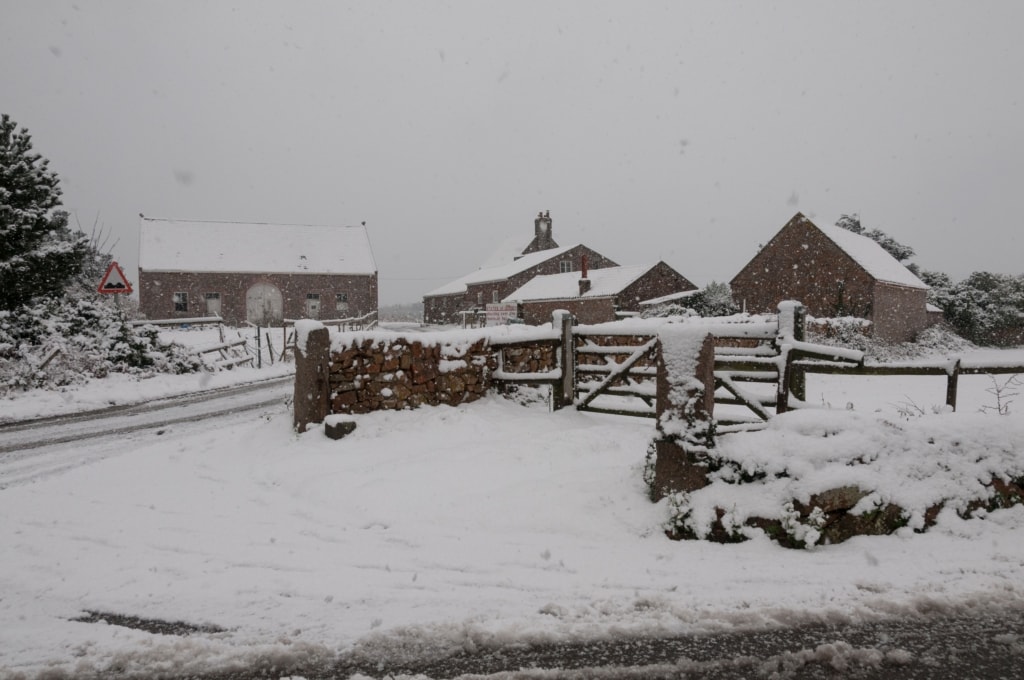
(505, 271)
(255, 272)
(835, 273)
(596, 296)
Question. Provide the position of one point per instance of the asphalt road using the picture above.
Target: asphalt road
(35, 448)
(981, 645)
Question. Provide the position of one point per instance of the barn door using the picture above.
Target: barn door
(264, 305)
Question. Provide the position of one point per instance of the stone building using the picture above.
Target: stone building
(596, 296)
(512, 266)
(834, 273)
(255, 272)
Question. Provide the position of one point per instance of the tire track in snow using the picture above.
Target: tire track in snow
(45, 447)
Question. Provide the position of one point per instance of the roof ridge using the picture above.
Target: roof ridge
(266, 224)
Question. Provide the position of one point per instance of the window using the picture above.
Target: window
(494, 297)
(565, 266)
(313, 305)
(341, 302)
(479, 297)
(181, 302)
(212, 303)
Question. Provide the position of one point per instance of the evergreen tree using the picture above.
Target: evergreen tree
(850, 223)
(39, 254)
(892, 246)
(714, 300)
(988, 308)
(940, 285)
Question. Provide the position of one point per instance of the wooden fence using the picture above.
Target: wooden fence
(231, 352)
(365, 322)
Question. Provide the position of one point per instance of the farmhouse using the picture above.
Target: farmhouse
(511, 267)
(596, 296)
(835, 273)
(255, 272)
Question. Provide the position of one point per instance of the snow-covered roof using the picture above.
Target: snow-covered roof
(872, 257)
(603, 282)
(671, 297)
(185, 245)
(500, 272)
(506, 251)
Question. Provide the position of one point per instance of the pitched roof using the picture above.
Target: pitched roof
(875, 260)
(500, 272)
(506, 251)
(186, 245)
(671, 297)
(603, 282)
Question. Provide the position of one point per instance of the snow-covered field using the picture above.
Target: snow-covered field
(439, 529)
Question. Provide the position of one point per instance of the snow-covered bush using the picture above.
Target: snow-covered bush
(715, 299)
(988, 308)
(935, 341)
(63, 341)
(816, 477)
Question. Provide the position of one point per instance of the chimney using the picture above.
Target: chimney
(542, 228)
(584, 281)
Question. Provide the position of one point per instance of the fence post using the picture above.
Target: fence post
(562, 394)
(798, 378)
(952, 378)
(259, 349)
(792, 326)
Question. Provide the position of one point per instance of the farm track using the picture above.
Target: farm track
(41, 447)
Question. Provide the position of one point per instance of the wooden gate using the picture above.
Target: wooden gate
(615, 373)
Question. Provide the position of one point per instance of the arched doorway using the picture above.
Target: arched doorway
(264, 305)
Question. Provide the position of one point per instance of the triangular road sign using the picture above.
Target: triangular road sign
(114, 281)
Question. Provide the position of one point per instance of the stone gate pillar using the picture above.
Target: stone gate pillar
(685, 409)
(312, 363)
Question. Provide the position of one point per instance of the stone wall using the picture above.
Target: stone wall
(376, 374)
(350, 373)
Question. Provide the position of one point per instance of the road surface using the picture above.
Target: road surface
(36, 448)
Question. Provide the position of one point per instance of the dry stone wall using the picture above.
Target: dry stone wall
(371, 375)
(351, 373)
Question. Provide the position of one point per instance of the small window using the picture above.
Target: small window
(494, 297)
(565, 266)
(479, 297)
(341, 302)
(181, 302)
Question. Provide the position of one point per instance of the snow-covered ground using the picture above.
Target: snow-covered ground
(441, 529)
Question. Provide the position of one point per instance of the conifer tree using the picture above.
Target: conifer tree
(39, 253)
(889, 244)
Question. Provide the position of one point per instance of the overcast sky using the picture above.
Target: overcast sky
(681, 131)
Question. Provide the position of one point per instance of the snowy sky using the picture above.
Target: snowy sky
(689, 132)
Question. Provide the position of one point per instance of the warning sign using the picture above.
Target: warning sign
(114, 281)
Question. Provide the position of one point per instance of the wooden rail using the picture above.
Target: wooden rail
(191, 321)
(952, 369)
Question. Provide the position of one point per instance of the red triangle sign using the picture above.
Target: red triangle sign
(114, 281)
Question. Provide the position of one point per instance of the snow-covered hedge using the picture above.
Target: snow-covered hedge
(817, 476)
(65, 341)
